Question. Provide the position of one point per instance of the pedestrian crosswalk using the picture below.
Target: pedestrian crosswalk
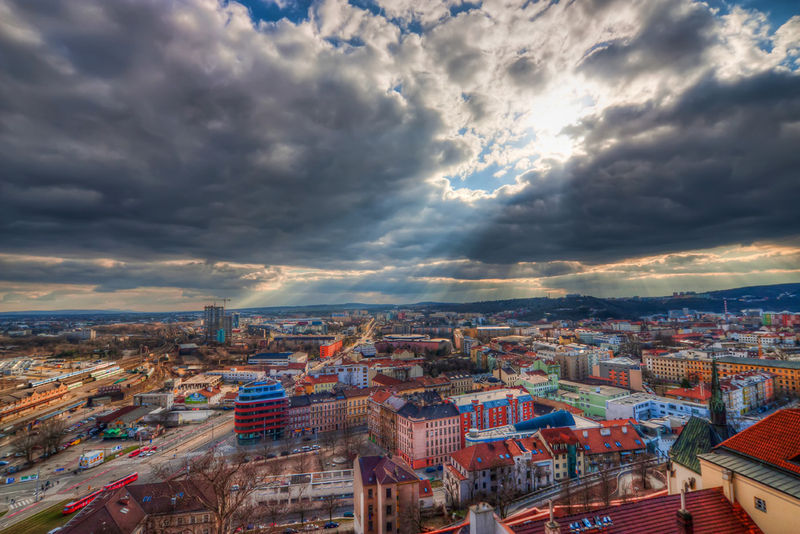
(19, 503)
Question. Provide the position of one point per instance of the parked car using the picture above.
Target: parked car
(430, 469)
(290, 531)
(284, 453)
(295, 451)
(347, 514)
(331, 524)
(271, 455)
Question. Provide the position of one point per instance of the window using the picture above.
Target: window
(761, 504)
(369, 493)
(389, 526)
(388, 493)
(389, 510)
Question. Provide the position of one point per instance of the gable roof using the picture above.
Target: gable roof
(622, 438)
(697, 437)
(483, 456)
(712, 513)
(384, 470)
(774, 440)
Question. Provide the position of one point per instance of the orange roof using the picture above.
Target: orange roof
(697, 393)
(483, 456)
(774, 440)
(609, 439)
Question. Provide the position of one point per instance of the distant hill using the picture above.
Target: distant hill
(778, 297)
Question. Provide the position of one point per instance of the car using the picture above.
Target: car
(430, 469)
(347, 514)
(284, 453)
(235, 487)
(331, 524)
(272, 455)
(295, 451)
(315, 447)
(290, 531)
(3, 462)
(305, 448)
(311, 526)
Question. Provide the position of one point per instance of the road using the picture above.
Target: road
(173, 445)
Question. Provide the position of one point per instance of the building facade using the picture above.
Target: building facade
(260, 411)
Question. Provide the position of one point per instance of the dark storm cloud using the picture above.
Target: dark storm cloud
(107, 276)
(671, 37)
(174, 140)
(719, 166)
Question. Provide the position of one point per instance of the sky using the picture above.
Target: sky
(157, 154)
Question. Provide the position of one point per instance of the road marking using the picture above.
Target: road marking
(65, 490)
(20, 510)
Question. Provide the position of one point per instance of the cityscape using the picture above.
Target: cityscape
(399, 267)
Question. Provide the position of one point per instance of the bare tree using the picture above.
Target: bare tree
(298, 505)
(274, 510)
(51, 432)
(330, 503)
(567, 494)
(506, 492)
(302, 462)
(25, 444)
(643, 467)
(585, 497)
(226, 485)
(606, 485)
(410, 520)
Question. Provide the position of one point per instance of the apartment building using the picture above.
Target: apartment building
(385, 495)
(676, 367)
(427, 434)
(493, 408)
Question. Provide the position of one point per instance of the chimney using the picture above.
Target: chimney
(684, 518)
(481, 519)
(624, 429)
(551, 527)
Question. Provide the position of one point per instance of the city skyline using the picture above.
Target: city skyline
(156, 155)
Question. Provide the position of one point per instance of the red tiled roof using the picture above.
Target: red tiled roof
(594, 441)
(385, 380)
(425, 488)
(712, 513)
(774, 440)
(558, 435)
(483, 456)
(381, 395)
(455, 472)
(529, 444)
(696, 393)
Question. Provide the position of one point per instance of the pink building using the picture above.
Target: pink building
(427, 434)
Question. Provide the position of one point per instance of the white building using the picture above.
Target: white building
(642, 406)
(353, 375)
(240, 376)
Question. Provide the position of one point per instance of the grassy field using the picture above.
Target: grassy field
(41, 522)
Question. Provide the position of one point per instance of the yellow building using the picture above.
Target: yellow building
(759, 469)
(357, 406)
